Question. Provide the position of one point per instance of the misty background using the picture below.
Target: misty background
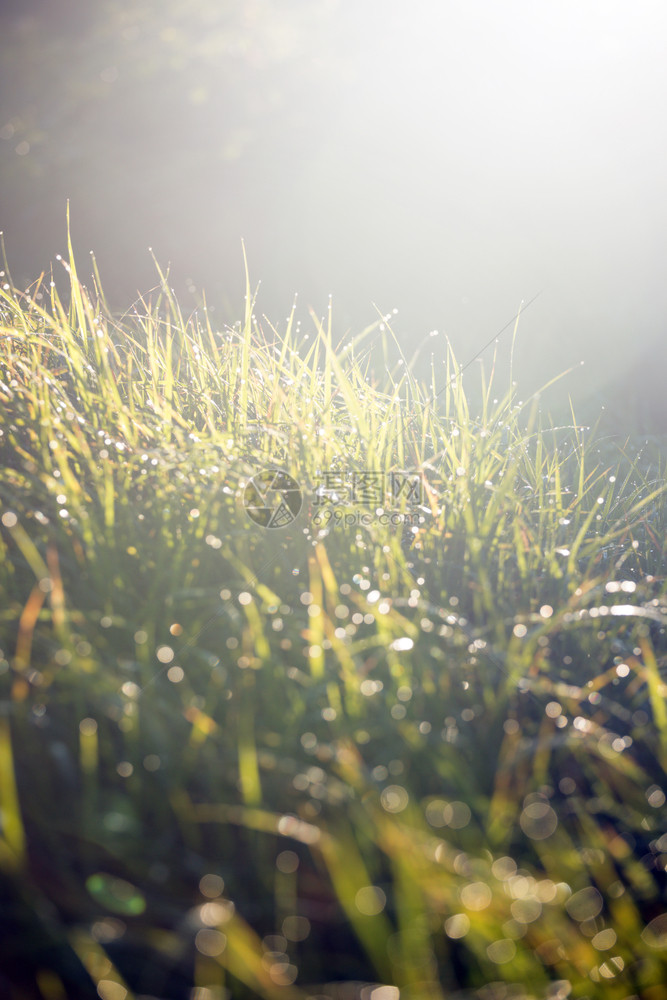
(445, 159)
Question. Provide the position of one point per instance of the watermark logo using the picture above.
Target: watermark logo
(272, 499)
(344, 517)
(368, 489)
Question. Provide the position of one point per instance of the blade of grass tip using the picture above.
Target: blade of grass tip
(214, 347)
(407, 365)
(383, 441)
(161, 357)
(165, 290)
(312, 359)
(588, 520)
(512, 346)
(344, 382)
(148, 326)
(451, 378)
(167, 360)
(77, 309)
(246, 342)
(579, 445)
(492, 375)
(5, 263)
(99, 290)
(278, 369)
(643, 502)
(578, 542)
(327, 365)
(535, 396)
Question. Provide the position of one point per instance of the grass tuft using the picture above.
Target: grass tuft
(422, 749)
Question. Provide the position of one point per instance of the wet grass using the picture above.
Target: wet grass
(419, 753)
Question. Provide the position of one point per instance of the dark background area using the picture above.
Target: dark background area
(448, 160)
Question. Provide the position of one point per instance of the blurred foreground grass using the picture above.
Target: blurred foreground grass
(422, 759)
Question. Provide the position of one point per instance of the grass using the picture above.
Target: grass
(422, 759)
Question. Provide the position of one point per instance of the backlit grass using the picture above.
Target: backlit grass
(422, 757)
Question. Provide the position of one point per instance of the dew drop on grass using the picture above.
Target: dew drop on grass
(655, 933)
(585, 904)
(504, 868)
(476, 896)
(287, 862)
(370, 900)
(210, 942)
(394, 798)
(109, 989)
(296, 928)
(211, 885)
(604, 939)
(501, 951)
(457, 926)
(655, 797)
(215, 913)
